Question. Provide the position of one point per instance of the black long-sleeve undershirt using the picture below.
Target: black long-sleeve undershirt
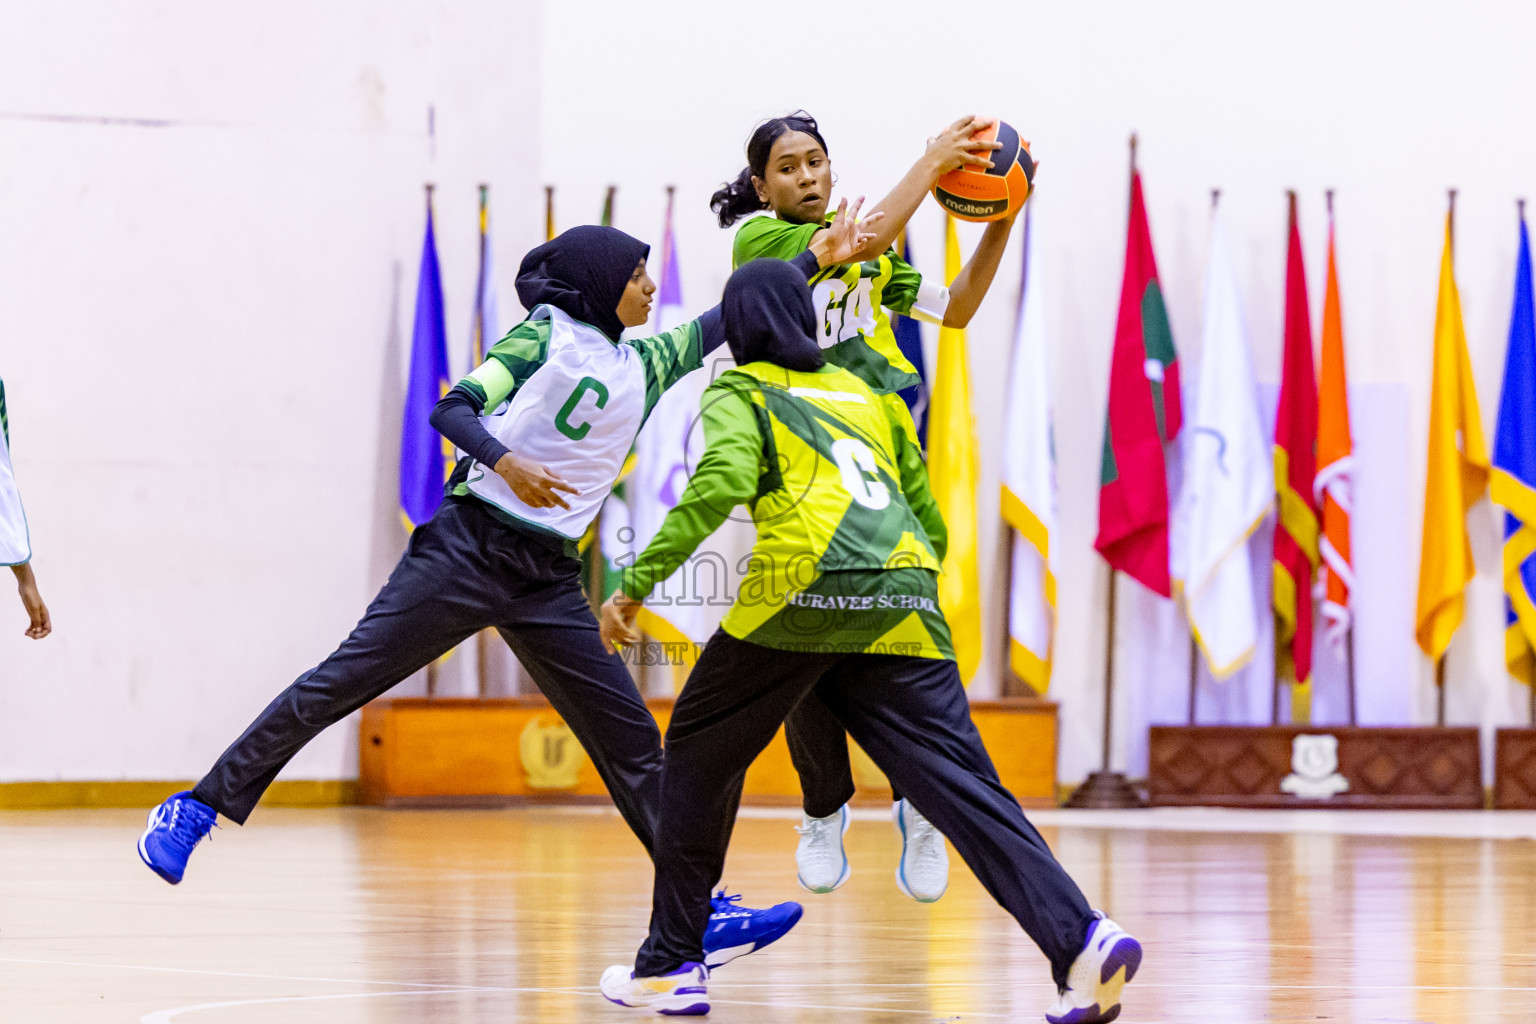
(457, 416)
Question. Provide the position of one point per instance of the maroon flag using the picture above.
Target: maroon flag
(1144, 413)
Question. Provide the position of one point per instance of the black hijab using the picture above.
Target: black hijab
(768, 316)
(583, 272)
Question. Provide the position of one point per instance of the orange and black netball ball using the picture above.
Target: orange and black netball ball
(982, 193)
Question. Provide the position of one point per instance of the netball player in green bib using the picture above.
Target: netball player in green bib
(840, 600)
(788, 179)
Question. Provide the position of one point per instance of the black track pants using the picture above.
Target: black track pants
(911, 716)
(465, 571)
(818, 747)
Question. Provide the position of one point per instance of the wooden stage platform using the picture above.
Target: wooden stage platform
(352, 915)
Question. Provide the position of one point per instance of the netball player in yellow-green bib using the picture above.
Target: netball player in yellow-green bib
(787, 184)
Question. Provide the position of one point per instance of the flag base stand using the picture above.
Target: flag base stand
(1106, 791)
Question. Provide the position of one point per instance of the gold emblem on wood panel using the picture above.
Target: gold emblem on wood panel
(550, 754)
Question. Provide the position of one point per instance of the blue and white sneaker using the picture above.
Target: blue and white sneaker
(174, 828)
(682, 993)
(820, 856)
(736, 931)
(923, 871)
(1109, 959)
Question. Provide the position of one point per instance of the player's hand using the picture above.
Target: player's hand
(845, 238)
(534, 485)
(617, 626)
(954, 147)
(41, 624)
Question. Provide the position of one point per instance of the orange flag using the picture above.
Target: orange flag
(1334, 486)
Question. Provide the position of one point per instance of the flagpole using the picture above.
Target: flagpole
(1440, 662)
(1105, 788)
(1303, 594)
(1194, 645)
(1109, 660)
(431, 665)
(1349, 635)
(476, 356)
(1014, 685)
(1194, 672)
(1349, 668)
(1440, 690)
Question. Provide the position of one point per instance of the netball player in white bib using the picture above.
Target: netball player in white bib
(546, 422)
(15, 544)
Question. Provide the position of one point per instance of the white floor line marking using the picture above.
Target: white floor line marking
(262, 977)
(930, 1014)
(166, 1016)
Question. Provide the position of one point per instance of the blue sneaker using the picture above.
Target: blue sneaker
(1109, 959)
(736, 931)
(680, 993)
(174, 828)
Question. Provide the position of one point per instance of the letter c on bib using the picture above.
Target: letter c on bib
(563, 418)
(854, 460)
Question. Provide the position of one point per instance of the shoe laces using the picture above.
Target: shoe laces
(921, 834)
(720, 902)
(189, 825)
(820, 829)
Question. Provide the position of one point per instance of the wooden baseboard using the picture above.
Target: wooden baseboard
(463, 752)
(38, 796)
(1514, 769)
(1424, 768)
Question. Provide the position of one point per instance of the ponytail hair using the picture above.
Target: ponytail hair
(737, 199)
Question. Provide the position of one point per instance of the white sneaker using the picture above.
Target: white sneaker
(1109, 959)
(683, 993)
(820, 856)
(923, 872)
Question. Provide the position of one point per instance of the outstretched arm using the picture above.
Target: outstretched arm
(971, 284)
(41, 624)
(950, 149)
(839, 242)
(726, 477)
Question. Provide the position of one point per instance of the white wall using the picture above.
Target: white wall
(249, 268)
(210, 224)
(1390, 103)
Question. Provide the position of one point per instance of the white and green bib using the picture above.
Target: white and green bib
(577, 415)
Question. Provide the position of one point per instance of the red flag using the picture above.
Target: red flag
(1144, 412)
(1296, 553)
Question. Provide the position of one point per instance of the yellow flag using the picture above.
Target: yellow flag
(1457, 474)
(953, 474)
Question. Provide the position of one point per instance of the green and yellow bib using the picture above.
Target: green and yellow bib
(841, 562)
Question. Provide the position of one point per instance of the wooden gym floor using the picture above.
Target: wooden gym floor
(351, 915)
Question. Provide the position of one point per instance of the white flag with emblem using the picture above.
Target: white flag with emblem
(1228, 480)
(1029, 480)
